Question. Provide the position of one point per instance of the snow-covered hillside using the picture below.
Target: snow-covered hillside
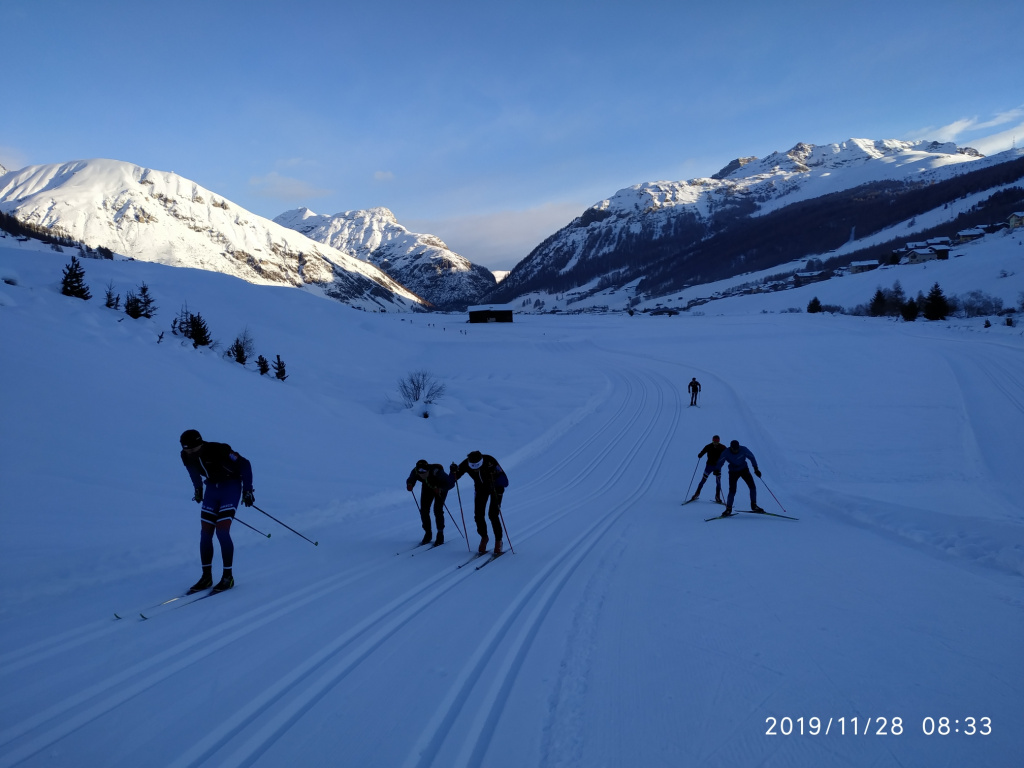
(881, 629)
(422, 263)
(161, 217)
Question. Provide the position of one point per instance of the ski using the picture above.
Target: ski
(718, 517)
(179, 602)
(411, 549)
(182, 596)
(488, 561)
(773, 514)
(432, 546)
(476, 556)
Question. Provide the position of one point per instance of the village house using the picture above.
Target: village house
(921, 255)
(856, 267)
(967, 235)
(1016, 219)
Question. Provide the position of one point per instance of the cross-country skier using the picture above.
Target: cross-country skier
(694, 388)
(736, 456)
(228, 477)
(436, 484)
(489, 482)
(713, 451)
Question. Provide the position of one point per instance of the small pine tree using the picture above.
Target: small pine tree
(878, 303)
(910, 310)
(814, 305)
(147, 307)
(262, 365)
(199, 331)
(936, 305)
(73, 282)
(241, 348)
(132, 305)
(113, 300)
(279, 369)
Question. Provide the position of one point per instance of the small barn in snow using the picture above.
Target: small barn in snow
(490, 315)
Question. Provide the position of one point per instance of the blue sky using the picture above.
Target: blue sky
(490, 124)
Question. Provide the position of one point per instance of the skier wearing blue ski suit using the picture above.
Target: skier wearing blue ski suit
(228, 478)
(736, 457)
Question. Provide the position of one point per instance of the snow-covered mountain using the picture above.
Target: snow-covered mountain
(161, 217)
(422, 263)
(758, 213)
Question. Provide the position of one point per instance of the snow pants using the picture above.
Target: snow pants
(428, 495)
(220, 500)
(493, 513)
(734, 478)
(708, 471)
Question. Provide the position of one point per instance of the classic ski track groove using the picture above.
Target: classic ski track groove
(92, 702)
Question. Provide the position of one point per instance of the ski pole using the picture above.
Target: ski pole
(773, 495)
(502, 518)
(314, 543)
(691, 478)
(463, 515)
(261, 533)
(454, 522)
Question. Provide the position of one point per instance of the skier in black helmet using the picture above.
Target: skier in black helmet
(736, 456)
(713, 451)
(694, 388)
(228, 478)
(489, 483)
(436, 484)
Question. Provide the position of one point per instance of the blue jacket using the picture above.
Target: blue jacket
(737, 461)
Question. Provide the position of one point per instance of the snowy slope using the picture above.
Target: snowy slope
(423, 263)
(161, 217)
(624, 630)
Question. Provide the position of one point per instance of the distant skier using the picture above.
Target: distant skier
(228, 477)
(489, 483)
(736, 456)
(713, 451)
(694, 388)
(436, 484)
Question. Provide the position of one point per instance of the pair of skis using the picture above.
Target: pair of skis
(179, 601)
(749, 512)
(477, 556)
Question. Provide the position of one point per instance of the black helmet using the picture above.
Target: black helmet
(422, 467)
(191, 438)
(475, 459)
(735, 445)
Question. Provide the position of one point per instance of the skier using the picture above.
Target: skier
(436, 484)
(713, 451)
(228, 477)
(694, 388)
(489, 482)
(737, 456)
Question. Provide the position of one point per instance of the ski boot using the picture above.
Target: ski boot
(483, 545)
(497, 547)
(226, 582)
(755, 508)
(440, 539)
(728, 512)
(427, 538)
(695, 496)
(204, 583)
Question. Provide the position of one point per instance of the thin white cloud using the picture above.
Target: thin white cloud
(279, 187)
(383, 176)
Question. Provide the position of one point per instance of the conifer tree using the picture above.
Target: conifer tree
(262, 365)
(199, 331)
(279, 369)
(73, 282)
(936, 305)
(878, 303)
(910, 311)
(814, 305)
(113, 300)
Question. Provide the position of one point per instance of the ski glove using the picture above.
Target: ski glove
(453, 468)
(248, 498)
(757, 472)
(410, 486)
(198, 497)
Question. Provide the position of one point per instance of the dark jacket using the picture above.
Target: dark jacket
(488, 477)
(713, 451)
(217, 463)
(737, 461)
(436, 480)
